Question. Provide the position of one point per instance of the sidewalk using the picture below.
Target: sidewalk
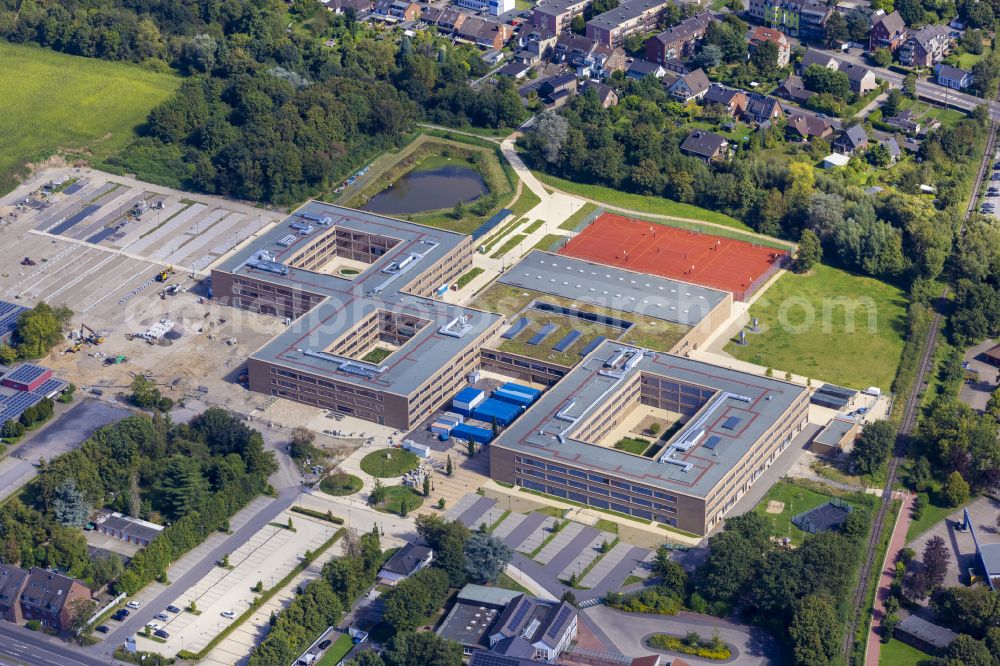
(898, 541)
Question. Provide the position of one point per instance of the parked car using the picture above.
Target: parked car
(173, 609)
(228, 614)
(134, 605)
(153, 625)
(324, 645)
(161, 616)
(103, 629)
(159, 633)
(120, 615)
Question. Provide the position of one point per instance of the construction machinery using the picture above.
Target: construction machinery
(115, 360)
(94, 338)
(74, 348)
(27, 261)
(164, 274)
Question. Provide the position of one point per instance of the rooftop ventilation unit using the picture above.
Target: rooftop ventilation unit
(287, 240)
(457, 327)
(320, 221)
(263, 261)
(303, 229)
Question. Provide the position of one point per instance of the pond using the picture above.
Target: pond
(434, 189)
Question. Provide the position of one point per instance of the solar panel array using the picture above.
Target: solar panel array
(543, 333)
(9, 312)
(567, 340)
(594, 344)
(520, 613)
(731, 422)
(560, 620)
(12, 406)
(49, 386)
(27, 373)
(712, 442)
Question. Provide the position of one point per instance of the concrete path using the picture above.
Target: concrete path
(607, 564)
(535, 539)
(587, 554)
(508, 525)
(896, 543)
(473, 516)
(561, 541)
(524, 529)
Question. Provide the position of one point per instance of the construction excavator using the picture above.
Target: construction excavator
(94, 338)
(163, 275)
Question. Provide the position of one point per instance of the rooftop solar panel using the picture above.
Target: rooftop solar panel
(594, 344)
(520, 613)
(26, 373)
(712, 442)
(543, 333)
(516, 328)
(567, 341)
(560, 620)
(731, 422)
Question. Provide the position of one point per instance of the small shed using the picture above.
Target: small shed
(923, 635)
(835, 160)
(836, 436)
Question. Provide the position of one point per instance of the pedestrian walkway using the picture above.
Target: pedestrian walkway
(897, 542)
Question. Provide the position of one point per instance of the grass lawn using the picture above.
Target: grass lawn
(82, 106)
(387, 463)
(394, 498)
(544, 351)
(548, 242)
(639, 203)
(376, 355)
(574, 220)
(632, 445)
(934, 512)
(508, 245)
(508, 583)
(829, 325)
(525, 202)
(796, 500)
(898, 653)
(341, 484)
(337, 651)
(469, 277)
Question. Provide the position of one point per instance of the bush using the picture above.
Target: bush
(652, 600)
(341, 484)
(692, 644)
(329, 517)
(34, 625)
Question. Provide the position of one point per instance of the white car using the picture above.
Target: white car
(134, 605)
(228, 614)
(153, 625)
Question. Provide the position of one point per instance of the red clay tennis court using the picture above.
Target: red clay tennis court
(689, 256)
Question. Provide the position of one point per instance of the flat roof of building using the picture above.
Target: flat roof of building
(380, 286)
(742, 407)
(9, 313)
(626, 11)
(614, 288)
(835, 431)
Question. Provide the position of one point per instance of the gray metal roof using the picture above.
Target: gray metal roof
(990, 553)
(757, 401)
(835, 431)
(349, 301)
(938, 636)
(615, 288)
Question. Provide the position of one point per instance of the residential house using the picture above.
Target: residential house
(640, 69)
(678, 41)
(451, 20)
(794, 89)
(691, 86)
(628, 18)
(515, 69)
(47, 597)
(762, 108)
(405, 562)
(556, 15)
(907, 123)
(796, 18)
(607, 60)
(557, 90)
(806, 127)
(862, 79)
(814, 57)
(431, 15)
(892, 146)
(545, 628)
(759, 35)
(676, 66)
(952, 77)
(486, 34)
(12, 581)
(926, 47)
(606, 95)
(539, 41)
(706, 146)
(396, 10)
(888, 32)
(851, 141)
(733, 100)
(341, 6)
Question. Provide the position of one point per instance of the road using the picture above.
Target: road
(21, 646)
(925, 89)
(627, 632)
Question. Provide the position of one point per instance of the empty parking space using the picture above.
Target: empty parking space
(535, 539)
(503, 530)
(473, 516)
(582, 559)
(559, 542)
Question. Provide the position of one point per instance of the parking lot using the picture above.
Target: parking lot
(991, 190)
(598, 560)
(267, 557)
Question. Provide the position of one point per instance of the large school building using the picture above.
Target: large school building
(729, 427)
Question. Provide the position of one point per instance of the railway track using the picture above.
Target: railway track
(906, 426)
